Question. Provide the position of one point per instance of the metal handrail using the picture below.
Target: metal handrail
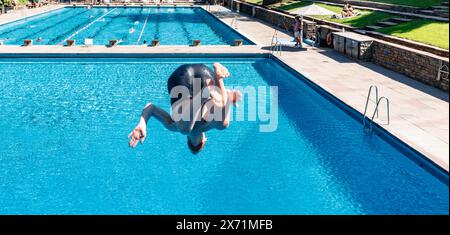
(274, 37)
(443, 71)
(275, 45)
(275, 49)
(367, 101)
(271, 50)
(234, 22)
(376, 111)
(377, 106)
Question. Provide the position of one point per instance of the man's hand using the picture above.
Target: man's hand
(221, 71)
(235, 96)
(138, 134)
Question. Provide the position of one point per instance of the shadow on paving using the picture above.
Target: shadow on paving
(285, 48)
(435, 92)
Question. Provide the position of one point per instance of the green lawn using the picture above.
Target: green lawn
(290, 6)
(366, 17)
(9, 2)
(414, 3)
(425, 31)
(5, 2)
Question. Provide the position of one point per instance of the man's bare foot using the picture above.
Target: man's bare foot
(221, 71)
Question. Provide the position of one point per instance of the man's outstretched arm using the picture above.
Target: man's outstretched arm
(150, 110)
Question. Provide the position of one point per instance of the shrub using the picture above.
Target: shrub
(7, 3)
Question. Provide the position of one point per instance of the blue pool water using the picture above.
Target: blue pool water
(64, 126)
(132, 25)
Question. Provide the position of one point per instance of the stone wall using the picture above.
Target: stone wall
(278, 19)
(416, 65)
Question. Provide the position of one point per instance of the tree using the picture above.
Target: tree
(6, 3)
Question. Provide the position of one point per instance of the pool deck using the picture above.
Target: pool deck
(22, 13)
(419, 113)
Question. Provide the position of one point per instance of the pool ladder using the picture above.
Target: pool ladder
(377, 105)
(234, 22)
(443, 71)
(275, 46)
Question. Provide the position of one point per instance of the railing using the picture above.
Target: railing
(367, 102)
(376, 110)
(443, 71)
(234, 22)
(275, 46)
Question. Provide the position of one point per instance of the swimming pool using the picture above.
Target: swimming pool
(130, 25)
(64, 125)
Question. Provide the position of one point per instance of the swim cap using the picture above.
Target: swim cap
(185, 76)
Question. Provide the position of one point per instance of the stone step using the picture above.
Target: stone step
(400, 20)
(361, 31)
(372, 27)
(426, 12)
(387, 24)
(440, 7)
(441, 11)
(445, 4)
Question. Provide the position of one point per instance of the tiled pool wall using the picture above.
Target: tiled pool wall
(397, 143)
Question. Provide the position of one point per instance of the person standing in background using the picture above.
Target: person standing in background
(298, 31)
